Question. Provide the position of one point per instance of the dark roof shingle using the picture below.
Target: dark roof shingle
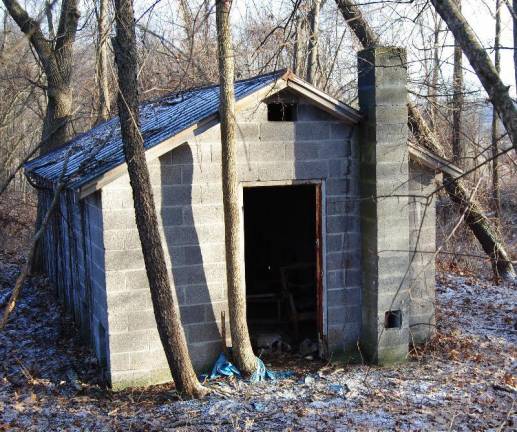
(99, 150)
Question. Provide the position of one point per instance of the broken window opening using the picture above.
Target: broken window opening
(277, 111)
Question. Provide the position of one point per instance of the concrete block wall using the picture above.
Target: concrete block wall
(74, 257)
(384, 205)
(187, 192)
(422, 245)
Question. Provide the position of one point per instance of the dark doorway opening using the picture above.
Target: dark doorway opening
(282, 230)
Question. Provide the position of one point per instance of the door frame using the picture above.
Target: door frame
(321, 293)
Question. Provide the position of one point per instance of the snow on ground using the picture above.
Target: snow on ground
(463, 380)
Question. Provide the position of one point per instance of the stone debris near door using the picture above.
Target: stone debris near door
(271, 342)
(308, 348)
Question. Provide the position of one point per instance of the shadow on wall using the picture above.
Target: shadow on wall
(186, 261)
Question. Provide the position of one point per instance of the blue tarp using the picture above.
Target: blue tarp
(224, 368)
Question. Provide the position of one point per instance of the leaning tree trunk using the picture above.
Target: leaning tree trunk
(474, 217)
(482, 65)
(165, 312)
(478, 223)
(241, 344)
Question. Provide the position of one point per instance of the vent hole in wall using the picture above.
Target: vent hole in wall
(281, 111)
(393, 319)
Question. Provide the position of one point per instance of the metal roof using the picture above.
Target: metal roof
(99, 150)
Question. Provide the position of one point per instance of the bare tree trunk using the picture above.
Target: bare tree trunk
(312, 69)
(102, 61)
(298, 58)
(355, 20)
(241, 344)
(188, 21)
(457, 105)
(165, 312)
(56, 58)
(433, 89)
(496, 201)
(474, 217)
(482, 65)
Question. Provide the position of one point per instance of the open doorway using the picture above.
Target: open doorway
(282, 238)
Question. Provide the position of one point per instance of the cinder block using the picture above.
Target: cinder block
(336, 314)
(203, 332)
(302, 150)
(337, 224)
(137, 280)
(204, 354)
(115, 281)
(310, 131)
(180, 195)
(207, 173)
(124, 259)
(125, 379)
(198, 274)
(335, 261)
(335, 279)
(333, 149)
(341, 131)
(266, 151)
(311, 169)
(119, 219)
(142, 319)
(129, 342)
(171, 216)
(340, 167)
(129, 301)
(352, 313)
(277, 131)
(122, 239)
(192, 314)
(353, 277)
(334, 242)
(276, 171)
(119, 362)
(148, 360)
(246, 132)
(204, 293)
(203, 214)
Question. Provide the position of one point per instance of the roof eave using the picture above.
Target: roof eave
(432, 161)
(324, 101)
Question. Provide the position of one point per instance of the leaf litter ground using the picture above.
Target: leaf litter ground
(464, 379)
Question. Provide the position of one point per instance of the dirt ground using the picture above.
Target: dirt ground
(464, 380)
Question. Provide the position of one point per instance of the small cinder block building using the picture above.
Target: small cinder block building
(338, 232)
